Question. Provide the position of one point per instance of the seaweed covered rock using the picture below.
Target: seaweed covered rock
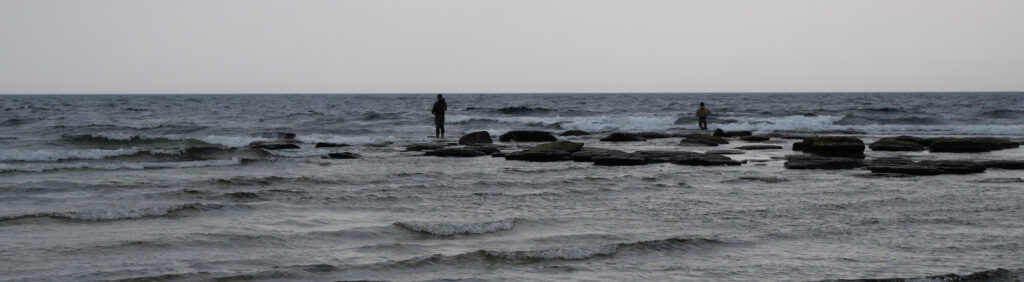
(587, 154)
(833, 146)
(901, 143)
(970, 145)
(455, 152)
(574, 133)
(820, 162)
(479, 137)
(623, 137)
(910, 167)
(566, 146)
(527, 136)
(722, 133)
(703, 139)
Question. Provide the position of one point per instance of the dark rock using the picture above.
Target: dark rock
(527, 136)
(725, 152)
(574, 133)
(971, 145)
(539, 156)
(819, 162)
(653, 135)
(587, 154)
(759, 147)
(623, 137)
(1004, 164)
(425, 146)
(1001, 180)
(272, 146)
(755, 138)
(275, 135)
(664, 156)
(703, 160)
(479, 137)
(566, 146)
(342, 155)
(619, 160)
(721, 133)
(487, 149)
(455, 152)
(522, 110)
(833, 146)
(331, 145)
(906, 166)
(703, 139)
(896, 144)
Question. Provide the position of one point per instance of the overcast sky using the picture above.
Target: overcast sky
(389, 46)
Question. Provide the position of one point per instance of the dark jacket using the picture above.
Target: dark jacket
(439, 107)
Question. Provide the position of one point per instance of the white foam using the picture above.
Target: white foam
(448, 229)
(230, 141)
(41, 167)
(57, 155)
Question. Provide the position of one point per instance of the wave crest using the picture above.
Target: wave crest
(106, 215)
(450, 229)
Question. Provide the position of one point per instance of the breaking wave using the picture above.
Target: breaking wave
(41, 167)
(449, 229)
(586, 123)
(143, 139)
(106, 215)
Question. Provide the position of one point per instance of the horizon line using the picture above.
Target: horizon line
(507, 93)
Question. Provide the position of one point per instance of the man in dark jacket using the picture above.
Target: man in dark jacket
(439, 108)
(702, 117)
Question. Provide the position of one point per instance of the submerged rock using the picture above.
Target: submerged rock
(759, 147)
(704, 160)
(971, 145)
(725, 152)
(907, 166)
(527, 136)
(566, 146)
(703, 139)
(425, 146)
(574, 133)
(539, 156)
(331, 145)
(755, 138)
(479, 137)
(820, 162)
(342, 155)
(722, 133)
(896, 144)
(273, 145)
(834, 146)
(455, 152)
(487, 149)
(653, 135)
(620, 160)
(1004, 164)
(623, 137)
(587, 154)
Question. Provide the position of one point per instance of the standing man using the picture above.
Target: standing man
(702, 116)
(439, 108)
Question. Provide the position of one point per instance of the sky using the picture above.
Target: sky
(515, 46)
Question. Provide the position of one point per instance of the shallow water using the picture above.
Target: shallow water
(162, 187)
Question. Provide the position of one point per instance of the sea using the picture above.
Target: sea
(167, 188)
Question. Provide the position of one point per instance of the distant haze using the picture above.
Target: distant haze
(387, 46)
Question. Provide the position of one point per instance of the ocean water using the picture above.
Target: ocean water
(164, 187)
